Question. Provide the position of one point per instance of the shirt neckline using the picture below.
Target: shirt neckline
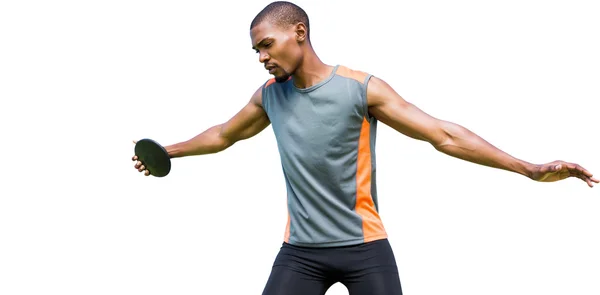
(311, 88)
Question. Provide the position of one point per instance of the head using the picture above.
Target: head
(280, 36)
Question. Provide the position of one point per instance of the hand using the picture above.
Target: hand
(559, 170)
(139, 166)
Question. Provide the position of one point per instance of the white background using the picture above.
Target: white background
(79, 80)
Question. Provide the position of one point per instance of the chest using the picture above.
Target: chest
(322, 117)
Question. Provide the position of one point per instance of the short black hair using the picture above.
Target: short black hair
(282, 13)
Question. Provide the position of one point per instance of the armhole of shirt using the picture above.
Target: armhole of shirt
(364, 97)
(264, 99)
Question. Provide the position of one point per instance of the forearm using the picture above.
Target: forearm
(207, 142)
(461, 143)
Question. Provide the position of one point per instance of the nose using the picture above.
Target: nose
(263, 57)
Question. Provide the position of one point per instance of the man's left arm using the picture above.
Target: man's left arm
(387, 106)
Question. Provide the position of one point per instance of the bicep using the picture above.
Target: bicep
(249, 121)
(391, 109)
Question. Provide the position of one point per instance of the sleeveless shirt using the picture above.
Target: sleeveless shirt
(326, 142)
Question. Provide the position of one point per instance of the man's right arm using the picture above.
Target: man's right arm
(248, 122)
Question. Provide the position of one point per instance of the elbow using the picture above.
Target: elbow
(220, 144)
(214, 145)
(210, 142)
(224, 143)
(442, 143)
(221, 141)
(447, 136)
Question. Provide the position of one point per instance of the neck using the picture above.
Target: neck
(311, 71)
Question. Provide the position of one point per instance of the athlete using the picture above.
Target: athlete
(324, 118)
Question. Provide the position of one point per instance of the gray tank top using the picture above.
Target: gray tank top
(326, 141)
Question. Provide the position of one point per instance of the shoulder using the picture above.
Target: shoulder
(257, 96)
(262, 92)
(274, 88)
(379, 92)
(359, 76)
(373, 86)
(269, 83)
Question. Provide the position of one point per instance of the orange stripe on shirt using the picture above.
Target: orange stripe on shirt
(286, 237)
(365, 207)
(271, 81)
(351, 74)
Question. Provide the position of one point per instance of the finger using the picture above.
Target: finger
(142, 168)
(574, 168)
(578, 168)
(585, 172)
(135, 141)
(586, 179)
(134, 158)
(147, 173)
(138, 164)
(594, 180)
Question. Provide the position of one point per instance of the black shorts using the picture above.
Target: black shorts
(365, 269)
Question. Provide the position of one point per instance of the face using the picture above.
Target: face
(279, 49)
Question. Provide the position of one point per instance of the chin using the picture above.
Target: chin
(281, 78)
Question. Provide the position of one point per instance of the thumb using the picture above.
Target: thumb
(549, 168)
(135, 141)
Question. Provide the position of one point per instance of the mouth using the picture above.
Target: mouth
(271, 68)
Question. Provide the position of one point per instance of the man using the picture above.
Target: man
(324, 118)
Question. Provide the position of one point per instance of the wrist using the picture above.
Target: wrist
(175, 150)
(528, 169)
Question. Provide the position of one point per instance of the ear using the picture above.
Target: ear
(301, 32)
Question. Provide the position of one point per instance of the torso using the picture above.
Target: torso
(326, 142)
